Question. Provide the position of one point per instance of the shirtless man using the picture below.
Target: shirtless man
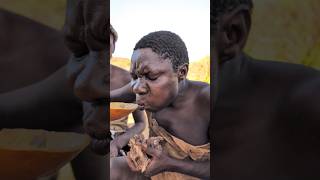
(176, 105)
(267, 116)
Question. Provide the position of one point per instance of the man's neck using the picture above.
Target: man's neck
(181, 97)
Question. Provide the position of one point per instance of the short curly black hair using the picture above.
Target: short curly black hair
(219, 7)
(166, 44)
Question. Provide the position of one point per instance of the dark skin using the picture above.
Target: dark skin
(266, 117)
(25, 45)
(97, 121)
(36, 94)
(49, 97)
(88, 70)
(179, 105)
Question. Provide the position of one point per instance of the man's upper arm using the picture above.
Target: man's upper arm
(207, 93)
(139, 116)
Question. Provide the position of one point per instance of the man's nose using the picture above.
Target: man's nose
(140, 87)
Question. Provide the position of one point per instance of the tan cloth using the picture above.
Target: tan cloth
(120, 125)
(178, 149)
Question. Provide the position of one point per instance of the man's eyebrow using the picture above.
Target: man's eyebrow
(155, 72)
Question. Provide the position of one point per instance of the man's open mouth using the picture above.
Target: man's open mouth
(141, 104)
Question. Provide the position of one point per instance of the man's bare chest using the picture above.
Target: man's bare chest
(186, 124)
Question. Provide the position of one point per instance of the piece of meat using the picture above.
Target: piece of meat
(136, 157)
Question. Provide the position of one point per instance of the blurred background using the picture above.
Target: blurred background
(188, 18)
(286, 30)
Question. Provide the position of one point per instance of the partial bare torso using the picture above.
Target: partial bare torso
(263, 128)
(190, 120)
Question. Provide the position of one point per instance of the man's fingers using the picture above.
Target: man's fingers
(73, 30)
(149, 169)
(151, 147)
(73, 74)
(131, 164)
(96, 17)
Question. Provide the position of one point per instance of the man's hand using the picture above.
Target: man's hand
(86, 25)
(160, 161)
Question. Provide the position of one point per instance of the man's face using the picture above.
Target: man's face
(153, 80)
(88, 75)
(85, 35)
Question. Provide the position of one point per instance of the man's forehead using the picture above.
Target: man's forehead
(147, 59)
(145, 56)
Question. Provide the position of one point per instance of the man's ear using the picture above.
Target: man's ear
(235, 27)
(114, 47)
(112, 44)
(183, 71)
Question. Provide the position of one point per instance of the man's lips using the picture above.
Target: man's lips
(141, 104)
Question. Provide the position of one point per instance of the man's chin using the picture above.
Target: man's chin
(151, 109)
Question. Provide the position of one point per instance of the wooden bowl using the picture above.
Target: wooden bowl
(27, 154)
(119, 110)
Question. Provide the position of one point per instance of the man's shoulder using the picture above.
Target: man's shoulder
(120, 71)
(303, 95)
(280, 72)
(121, 75)
(199, 85)
(281, 68)
(201, 89)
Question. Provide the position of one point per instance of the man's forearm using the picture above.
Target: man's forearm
(123, 94)
(124, 138)
(140, 119)
(189, 167)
